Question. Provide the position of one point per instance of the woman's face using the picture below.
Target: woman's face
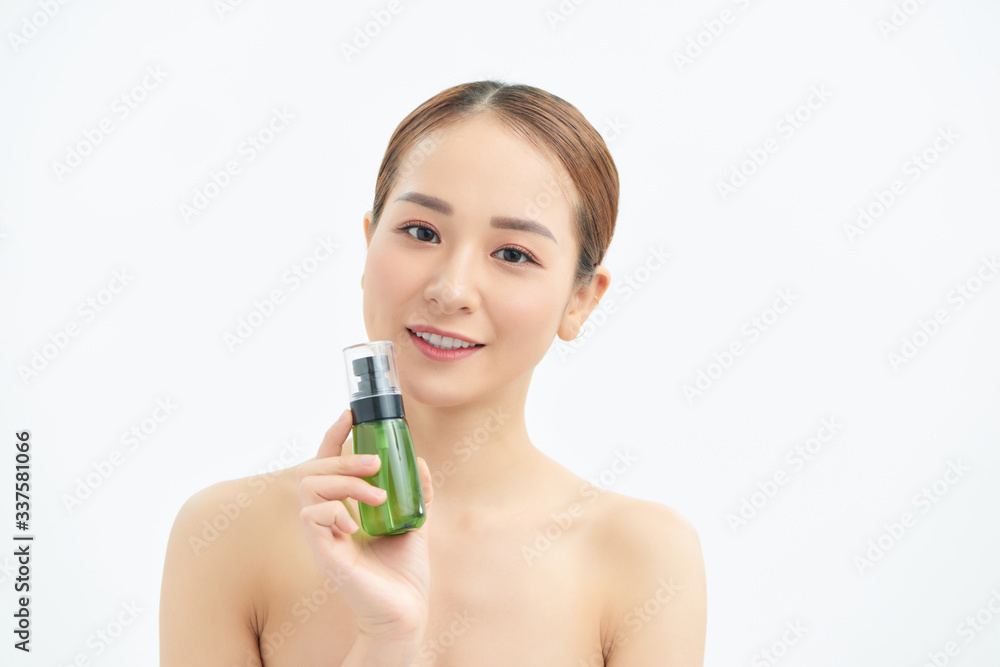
(466, 272)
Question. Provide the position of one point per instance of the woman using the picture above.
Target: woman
(493, 209)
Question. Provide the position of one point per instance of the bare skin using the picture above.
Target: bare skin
(520, 561)
(622, 577)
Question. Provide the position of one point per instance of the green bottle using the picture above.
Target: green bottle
(380, 428)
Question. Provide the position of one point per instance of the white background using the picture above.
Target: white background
(676, 130)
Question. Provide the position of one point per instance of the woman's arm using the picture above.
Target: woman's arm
(206, 613)
(659, 610)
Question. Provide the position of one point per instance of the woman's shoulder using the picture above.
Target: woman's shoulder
(642, 532)
(624, 528)
(217, 557)
(657, 572)
(225, 535)
(236, 513)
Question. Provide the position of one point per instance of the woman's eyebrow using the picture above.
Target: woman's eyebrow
(500, 222)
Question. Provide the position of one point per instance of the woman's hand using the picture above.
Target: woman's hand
(383, 579)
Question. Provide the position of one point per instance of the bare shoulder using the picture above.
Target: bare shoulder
(230, 514)
(213, 592)
(642, 532)
(656, 597)
(222, 533)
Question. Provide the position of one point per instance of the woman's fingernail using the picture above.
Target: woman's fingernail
(343, 415)
(368, 459)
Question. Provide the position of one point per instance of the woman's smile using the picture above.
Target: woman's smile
(442, 348)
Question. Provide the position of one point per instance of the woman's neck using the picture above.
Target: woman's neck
(479, 454)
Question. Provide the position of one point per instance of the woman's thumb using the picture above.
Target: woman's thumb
(336, 436)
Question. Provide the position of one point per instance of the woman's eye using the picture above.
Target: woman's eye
(430, 233)
(516, 253)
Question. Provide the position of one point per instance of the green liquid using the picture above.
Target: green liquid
(398, 474)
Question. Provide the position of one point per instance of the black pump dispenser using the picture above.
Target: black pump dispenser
(376, 396)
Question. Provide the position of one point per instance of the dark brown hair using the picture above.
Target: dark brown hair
(552, 125)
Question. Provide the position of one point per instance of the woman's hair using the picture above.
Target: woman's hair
(552, 125)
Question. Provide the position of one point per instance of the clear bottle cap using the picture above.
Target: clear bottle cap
(371, 369)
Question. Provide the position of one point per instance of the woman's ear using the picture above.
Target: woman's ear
(368, 223)
(582, 304)
(368, 240)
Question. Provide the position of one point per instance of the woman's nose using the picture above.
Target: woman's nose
(454, 286)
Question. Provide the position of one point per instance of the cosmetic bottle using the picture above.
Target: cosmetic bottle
(380, 428)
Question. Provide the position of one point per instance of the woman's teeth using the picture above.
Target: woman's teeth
(444, 342)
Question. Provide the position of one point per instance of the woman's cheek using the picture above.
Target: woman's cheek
(533, 302)
(388, 268)
(531, 315)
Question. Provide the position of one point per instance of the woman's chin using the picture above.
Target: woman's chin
(434, 393)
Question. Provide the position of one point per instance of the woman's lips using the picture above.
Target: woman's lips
(433, 331)
(437, 354)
